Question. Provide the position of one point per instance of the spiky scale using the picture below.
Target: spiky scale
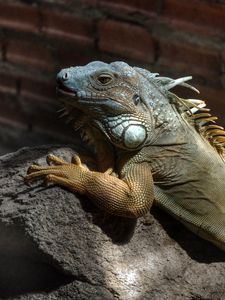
(64, 114)
(220, 139)
(200, 116)
(216, 132)
(209, 127)
(203, 121)
(61, 110)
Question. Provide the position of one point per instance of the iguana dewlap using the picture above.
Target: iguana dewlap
(151, 146)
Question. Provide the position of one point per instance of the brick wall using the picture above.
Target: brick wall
(39, 37)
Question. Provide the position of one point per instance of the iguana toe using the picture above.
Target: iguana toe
(51, 158)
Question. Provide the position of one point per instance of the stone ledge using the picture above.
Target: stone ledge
(56, 245)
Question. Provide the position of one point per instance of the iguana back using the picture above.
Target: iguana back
(192, 187)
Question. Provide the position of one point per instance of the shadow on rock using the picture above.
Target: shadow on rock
(120, 230)
(197, 248)
(23, 269)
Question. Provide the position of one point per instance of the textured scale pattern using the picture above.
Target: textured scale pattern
(151, 146)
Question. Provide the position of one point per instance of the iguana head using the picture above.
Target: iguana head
(131, 106)
(108, 96)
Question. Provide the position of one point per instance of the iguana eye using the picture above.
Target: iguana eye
(105, 78)
(136, 99)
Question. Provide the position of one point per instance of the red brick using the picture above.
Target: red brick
(49, 122)
(12, 119)
(67, 26)
(37, 90)
(215, 99)
(86, 3)
(146, 7)
(223, 81)
(223, 69)
(189, 58)
(1, 48)
(196, 13)
(223, 62)
(56, 130)
(73, 56)
(90, 2)
(127, 40)
(19, 16)
(8, 83)
(29, 54)
(10, 112)
(43, 117)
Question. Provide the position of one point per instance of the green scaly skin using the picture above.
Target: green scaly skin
(147, 145)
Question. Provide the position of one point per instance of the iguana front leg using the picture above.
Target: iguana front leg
(130, 196)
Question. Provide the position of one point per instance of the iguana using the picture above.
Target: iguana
(151, 146)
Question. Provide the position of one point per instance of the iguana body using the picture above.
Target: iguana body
(151, 146)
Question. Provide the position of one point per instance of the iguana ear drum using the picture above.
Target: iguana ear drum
(134, 136)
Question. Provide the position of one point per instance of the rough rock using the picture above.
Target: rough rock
(57, 245)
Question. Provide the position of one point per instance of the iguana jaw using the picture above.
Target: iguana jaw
(124, 131)
(64, 90)
(85, 100)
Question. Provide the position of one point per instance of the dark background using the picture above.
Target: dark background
(38, 38)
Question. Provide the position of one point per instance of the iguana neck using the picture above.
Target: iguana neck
(169, 124)
(103, 150)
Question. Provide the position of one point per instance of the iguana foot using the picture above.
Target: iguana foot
(61, 172)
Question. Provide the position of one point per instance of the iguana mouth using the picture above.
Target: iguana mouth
(65, 90)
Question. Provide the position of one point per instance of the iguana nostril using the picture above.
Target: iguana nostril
(65, 76)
